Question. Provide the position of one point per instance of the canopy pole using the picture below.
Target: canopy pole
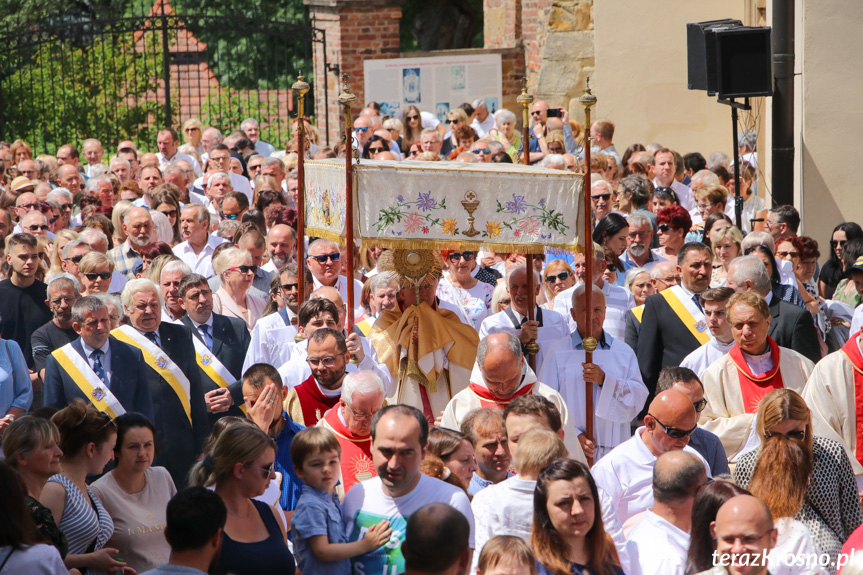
(301, 88)
(346, 98)
(526, 100)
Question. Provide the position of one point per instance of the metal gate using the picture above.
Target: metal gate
(67, 78)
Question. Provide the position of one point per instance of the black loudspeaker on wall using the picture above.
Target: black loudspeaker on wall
(728, 59)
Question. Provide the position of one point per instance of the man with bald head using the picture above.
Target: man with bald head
(36, 223)
(626, 473)
(437, 541)
(26, 203)
(660, 542)
(742, 518)
(363, 130)
(756, 365)
(548, 326)
(138, 227)
(614, 378)
(500, 375)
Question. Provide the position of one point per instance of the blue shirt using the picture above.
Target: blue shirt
(710, 447)
(291, 485)
(318, 513)
(15, 387)
(174, 570)
(477, 483)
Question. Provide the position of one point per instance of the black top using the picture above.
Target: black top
(831, 275)
(488, 276)
(48, 338)
(22, 312)
(46, 526)
(270, 556)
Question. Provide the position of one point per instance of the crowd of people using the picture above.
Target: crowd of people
(171, 405)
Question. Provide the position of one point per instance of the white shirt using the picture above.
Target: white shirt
(554, 327)
(201, 263)
(684, 193)
(657, 546)
(272, 341)
(163, 161)
(703, 356)
(618, 301)
(342, 286)
(475, 303)
(759, 363)
(484, 127)
(505, 508)
(626, 474)
(105, 359)
(793, 543)
(40, 559)
(238, 182)
(366, 505)
(168, 318)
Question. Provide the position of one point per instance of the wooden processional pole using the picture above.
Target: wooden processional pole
(588, 100)
(346, 98)
(301, 88)
(526, 100)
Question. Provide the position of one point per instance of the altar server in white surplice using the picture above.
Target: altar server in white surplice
(548, 326)
(735, 383)
(713, 303)
(618, 391)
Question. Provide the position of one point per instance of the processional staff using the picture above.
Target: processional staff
(526, 100)
(346, 98)
(301, 88)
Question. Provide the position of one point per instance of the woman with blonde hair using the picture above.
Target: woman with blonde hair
(500, 299)
(94, 271)
(232, 299)
(506, 555)
(117, 215)
(800, 475)
(455, 118)
(726, 243)
(167, 205)
(266, 184)
(193, 132)
(240, 468)
(557, 277)
(62, 238)
(21, 151)
(395, 127)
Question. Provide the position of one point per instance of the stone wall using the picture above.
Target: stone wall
(567, 55)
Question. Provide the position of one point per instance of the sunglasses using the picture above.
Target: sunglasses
(535, 113)
(562, 276)
(452, 122)
(75, 259)
(363, 130)
(603, 197)
(674, 432)
(376, 150)
(266, 470)
(415, 153)
(610, 267)
(322, 259)
(54, 219)
(29, 206)
(229, 216)
(413, 117)
(456, 256)
(834, 243)
(93, 276)
(798, 434)
(66, 207)
(289, 287)
(37, 227)
(663, 228)
(699, 405)
(244, 269)
(483, 150)
(169, 213)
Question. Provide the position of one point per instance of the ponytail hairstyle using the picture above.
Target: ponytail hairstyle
(81, 424)
(236, 444)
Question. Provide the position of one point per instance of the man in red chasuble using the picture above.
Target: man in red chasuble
(327, 357)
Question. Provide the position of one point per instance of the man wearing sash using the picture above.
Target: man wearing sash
(500, 375)
(97, 367)
(614, 379)
(220, 348)
(271, 332)
(548, 327)
(834, 394)
(713, 302)
(755, 366)
(175, 385)
(673, 324)
(663, 276)
(327, 357)
(351, 422)
(429, 351)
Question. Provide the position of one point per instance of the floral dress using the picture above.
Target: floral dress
(475, 302)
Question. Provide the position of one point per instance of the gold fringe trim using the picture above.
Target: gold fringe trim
(411, 368)
(326, 234)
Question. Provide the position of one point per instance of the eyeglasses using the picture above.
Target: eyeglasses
(192, 129)
(603, 197)
(322, 259)
(244, 269)
(840, 243)
(93, 276)
(784, 254)
(745, 540)
(674, 432)
(267, 470)
(329, 361)
(413, 117)
(705, 206)
(360, 416)
(376, 150)
(74, 259)
(414, 152)
(363, 130)
(66, 207)
(169, 213)
(483, 150)
(699, 405)
(452, 122)
(37, 227)
(467, 256)
(54, 220)
(229, 216)
(536, 113)
(289, 287)
(610, 267)
(798, 434)
(562, 276)
(669, 280)
(68, 300)
(664, 228)
(35, 206)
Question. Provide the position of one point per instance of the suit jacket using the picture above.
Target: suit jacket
(128, 380)
(664, 341)
(230, 343)
(792, 326)
(179, 441)
(633, 330)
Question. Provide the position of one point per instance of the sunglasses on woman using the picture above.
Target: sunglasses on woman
(562, 276)
(93, 276)
(674, 432)
(375, 150)
(798, 434)
(244, 269)
(456, 256)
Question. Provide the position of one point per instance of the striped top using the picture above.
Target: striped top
(80, 522)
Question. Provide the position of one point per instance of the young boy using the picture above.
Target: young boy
(320, 544)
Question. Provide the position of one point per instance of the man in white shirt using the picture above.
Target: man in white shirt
(547, 327)
(626, 473)
(282, 245)
(618, 301)
(253, 131)
(660, 542)
(323, 261)
(168, 141)
(220, 161)
(399, 438)
(197, 249)
(614, 378)
(483, 121)
(665, 168)
(713, 302)
(94, 152)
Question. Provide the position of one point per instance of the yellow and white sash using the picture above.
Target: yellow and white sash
(214, 368)
(87, 381)
(159, 361)
(688, 312)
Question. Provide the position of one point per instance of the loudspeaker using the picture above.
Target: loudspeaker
(743, 62)
(701, 52)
